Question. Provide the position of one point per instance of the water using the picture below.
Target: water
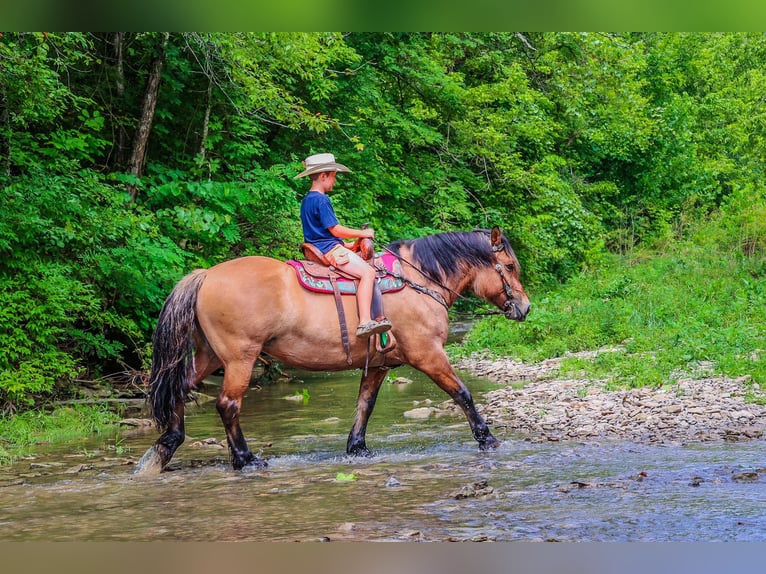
(428, 481)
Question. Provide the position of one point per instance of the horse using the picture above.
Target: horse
(226, 316)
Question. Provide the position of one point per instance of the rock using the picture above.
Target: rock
(78, 468)
(208, 442)
(419, 413)
(547, 408)
(392, 482)
(44, 465)
(401, 381)
(475, 490)
(745, 477)
(137, 423)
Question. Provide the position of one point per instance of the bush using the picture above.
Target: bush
(85, 277)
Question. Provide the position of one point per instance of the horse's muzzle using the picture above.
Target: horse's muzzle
(513, 310)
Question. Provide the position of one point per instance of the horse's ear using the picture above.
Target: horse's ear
(496, 237)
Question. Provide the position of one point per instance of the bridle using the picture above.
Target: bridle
(508, 305)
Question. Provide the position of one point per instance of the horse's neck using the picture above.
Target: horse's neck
(449, 287)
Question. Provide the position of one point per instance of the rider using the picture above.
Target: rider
(321, 228)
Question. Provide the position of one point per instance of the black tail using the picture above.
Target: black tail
(172, 373)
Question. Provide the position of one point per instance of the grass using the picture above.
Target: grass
(20, 434)
(696, 306)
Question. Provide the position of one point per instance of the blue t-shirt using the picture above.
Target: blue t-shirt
(317, 215)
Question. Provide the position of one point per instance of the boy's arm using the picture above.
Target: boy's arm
(343, 232)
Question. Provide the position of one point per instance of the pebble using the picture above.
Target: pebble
(480, 489)
(401, 381)
(392, 482)
(419, 413)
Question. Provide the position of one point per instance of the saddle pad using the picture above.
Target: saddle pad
(389, 281)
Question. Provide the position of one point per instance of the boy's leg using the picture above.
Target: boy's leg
(351, 264)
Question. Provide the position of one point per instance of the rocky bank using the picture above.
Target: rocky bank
(542, 407)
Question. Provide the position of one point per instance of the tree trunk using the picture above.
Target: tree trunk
(118, 42)
(206, 127)
(141, 139)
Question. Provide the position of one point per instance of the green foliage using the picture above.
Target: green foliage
(345, 477)
(304, 396)
(576, 144)
(83, 280)
(20, 434)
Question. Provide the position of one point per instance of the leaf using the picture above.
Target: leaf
(343, 477)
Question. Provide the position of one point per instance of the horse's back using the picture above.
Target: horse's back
(244, 294)
(248, 266)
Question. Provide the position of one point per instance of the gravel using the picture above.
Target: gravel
(541, 407)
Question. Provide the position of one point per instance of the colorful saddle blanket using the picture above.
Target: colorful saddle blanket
(316, 277)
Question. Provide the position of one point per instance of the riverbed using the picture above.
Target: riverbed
(427, 481)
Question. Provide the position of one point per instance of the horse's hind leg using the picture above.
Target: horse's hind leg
(205, 362)
(365, 403)
(157, 457)
(236, 380)
(159, 454)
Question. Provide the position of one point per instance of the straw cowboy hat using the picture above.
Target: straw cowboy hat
(321, 162)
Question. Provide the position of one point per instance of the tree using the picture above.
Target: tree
(141, 138)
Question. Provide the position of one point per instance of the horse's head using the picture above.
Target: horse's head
(500, 284)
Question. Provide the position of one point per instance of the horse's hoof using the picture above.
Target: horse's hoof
(360, 451)
(150, 464)
(250, 462)
(490, 443)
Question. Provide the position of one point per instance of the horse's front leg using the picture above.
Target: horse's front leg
(442, 373)
(365, 403)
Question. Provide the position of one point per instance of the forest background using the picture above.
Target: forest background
(617, 165)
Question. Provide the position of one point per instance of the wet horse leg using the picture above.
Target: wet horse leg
(173, 436)
(365, 403)
(442, 373)
(236, 380)
(157, 457)
(205, 362)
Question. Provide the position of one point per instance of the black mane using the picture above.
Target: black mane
(440, 256)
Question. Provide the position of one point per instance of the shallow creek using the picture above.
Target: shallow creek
(428, 481)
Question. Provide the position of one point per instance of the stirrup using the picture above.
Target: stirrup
(385, 342)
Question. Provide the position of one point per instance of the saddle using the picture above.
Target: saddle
(319, 277)
(316, 274)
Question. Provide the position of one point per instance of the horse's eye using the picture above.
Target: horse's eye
(510, 267)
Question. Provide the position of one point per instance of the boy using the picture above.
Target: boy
(322, 229)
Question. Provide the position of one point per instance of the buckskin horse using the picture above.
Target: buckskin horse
(229, 314)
